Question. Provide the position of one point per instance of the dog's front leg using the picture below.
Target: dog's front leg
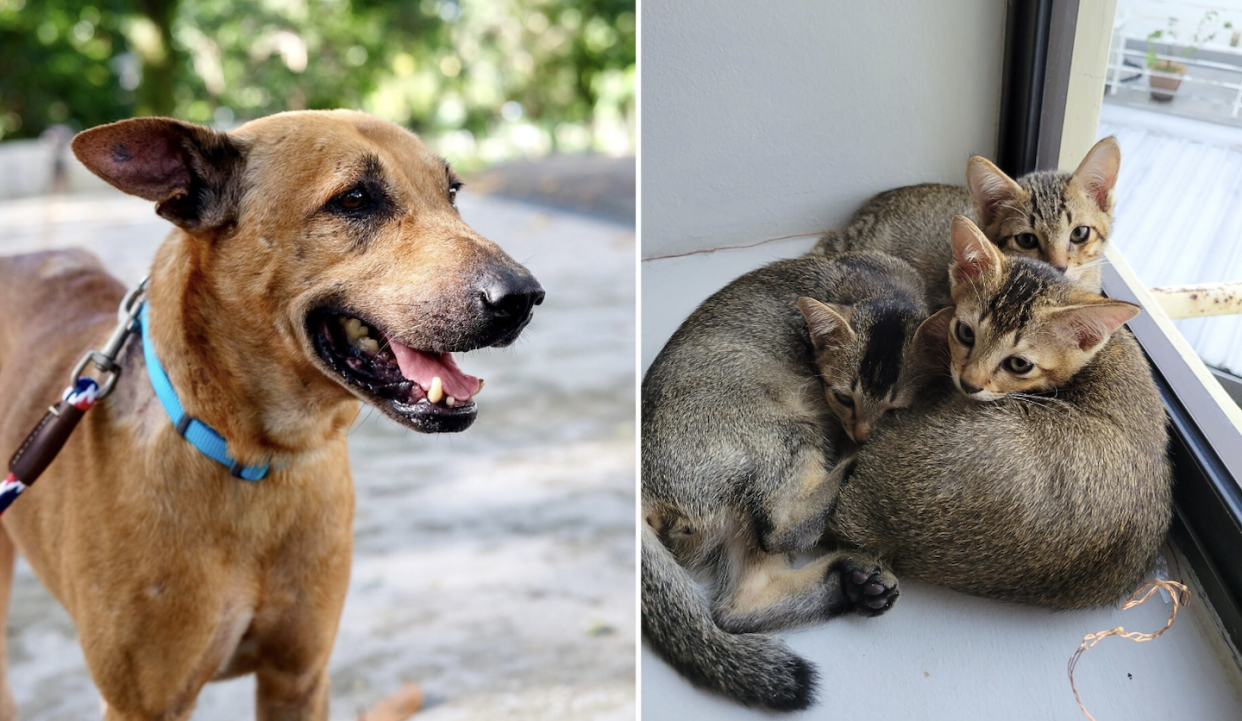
(290, 696)
(298, 631)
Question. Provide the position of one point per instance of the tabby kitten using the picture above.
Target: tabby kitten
(1045, 480)
(737, 449)
(1061, 218)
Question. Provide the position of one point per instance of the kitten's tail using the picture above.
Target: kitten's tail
(753, 669)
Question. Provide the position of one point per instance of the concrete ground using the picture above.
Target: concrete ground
(494, 568)
(591, 184)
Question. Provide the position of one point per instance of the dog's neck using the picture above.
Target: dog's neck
(234, 364)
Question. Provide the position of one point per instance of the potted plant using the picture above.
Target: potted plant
(1165, 84)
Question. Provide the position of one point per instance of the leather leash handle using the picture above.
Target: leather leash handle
(39, 449)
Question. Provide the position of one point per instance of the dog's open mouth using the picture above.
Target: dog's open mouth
(423, 389)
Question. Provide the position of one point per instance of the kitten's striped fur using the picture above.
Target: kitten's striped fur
(1057, 498)
(737, 444)
(1036, 216)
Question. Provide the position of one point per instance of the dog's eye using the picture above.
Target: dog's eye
(353, 200)
(453, 188)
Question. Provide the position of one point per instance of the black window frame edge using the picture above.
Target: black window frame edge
(1230, 382)
(1203, 443)
(1207, 462)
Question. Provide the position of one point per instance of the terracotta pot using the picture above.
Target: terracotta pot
(1163, 88)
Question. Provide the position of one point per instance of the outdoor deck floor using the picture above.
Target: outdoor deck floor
(1179, 213)
(496, 567)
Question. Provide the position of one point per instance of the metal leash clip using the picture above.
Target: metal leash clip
(105, 360)
(39, 449)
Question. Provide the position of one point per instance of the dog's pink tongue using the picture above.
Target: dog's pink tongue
(421, 367)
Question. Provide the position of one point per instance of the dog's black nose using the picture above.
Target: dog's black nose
(508, 298)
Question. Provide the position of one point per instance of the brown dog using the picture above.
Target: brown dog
(175, 572)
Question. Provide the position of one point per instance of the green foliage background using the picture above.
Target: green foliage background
(487, 79)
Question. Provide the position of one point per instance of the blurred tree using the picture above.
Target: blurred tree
(492, 78)
(58, 64)
(161, 57)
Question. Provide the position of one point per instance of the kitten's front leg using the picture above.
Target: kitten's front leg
(764, 592)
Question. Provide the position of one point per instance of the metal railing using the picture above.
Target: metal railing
(1229, 90)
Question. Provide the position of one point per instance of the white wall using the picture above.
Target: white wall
(763, 119)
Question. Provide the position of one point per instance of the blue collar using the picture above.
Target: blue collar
(199, 434)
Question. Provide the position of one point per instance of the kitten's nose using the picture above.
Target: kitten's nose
(862, 431)
(967, 388)
(1058, 260)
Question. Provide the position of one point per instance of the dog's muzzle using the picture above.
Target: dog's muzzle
(506, 300)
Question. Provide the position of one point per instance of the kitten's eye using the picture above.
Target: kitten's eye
(843, 399)
(1026, 241)
(354, 199)
(964, 333)
(1016, 364)
(1080, 234)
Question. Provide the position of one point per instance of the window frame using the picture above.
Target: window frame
(1055, 65)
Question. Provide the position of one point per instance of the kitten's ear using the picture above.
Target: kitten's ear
(974, 256)
(191, 172)
(1097, 173)
(989, 188)
(828, 322)
(1089, 325)
(931, 340)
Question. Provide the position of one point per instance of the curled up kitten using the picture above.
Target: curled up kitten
(1063, 219)
(736, 457)
(1042, 477)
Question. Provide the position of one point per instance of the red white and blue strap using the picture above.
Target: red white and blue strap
(10, 489)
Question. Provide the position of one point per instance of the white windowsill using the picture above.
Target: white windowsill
(946, 655)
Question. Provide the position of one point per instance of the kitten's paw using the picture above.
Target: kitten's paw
(871, 588)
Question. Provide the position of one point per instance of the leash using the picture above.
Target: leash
(40, 448)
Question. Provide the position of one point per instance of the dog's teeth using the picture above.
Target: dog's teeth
(354, 329)
(450, 401)
(370, 345)
(476, 391)
(436, 392)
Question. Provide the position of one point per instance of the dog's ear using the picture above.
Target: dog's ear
(191, 172)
